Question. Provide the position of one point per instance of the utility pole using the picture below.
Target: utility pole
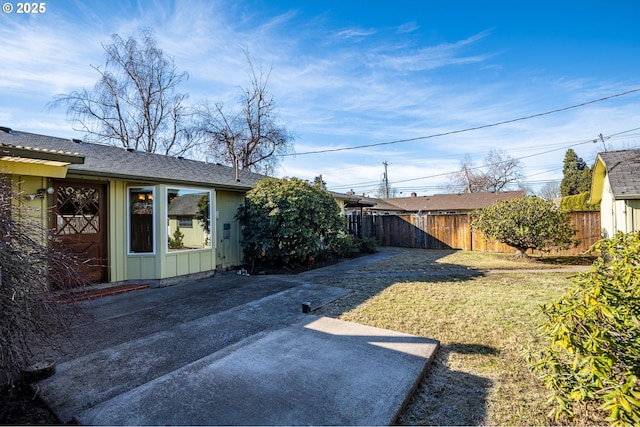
(602, 140)
(386, 180)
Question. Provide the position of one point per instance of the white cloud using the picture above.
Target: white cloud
(334, 87)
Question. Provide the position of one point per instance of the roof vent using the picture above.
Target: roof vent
(180, 157)
(5, 129)
(77, 141)
(131, 150)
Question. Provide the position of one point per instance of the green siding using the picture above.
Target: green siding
(122, 266)
(228, 249)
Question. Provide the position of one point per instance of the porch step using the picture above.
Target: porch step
(91, 293)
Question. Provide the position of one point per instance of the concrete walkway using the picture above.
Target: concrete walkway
(234, 350)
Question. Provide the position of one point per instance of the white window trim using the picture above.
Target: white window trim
(212, 221)
(153, 220)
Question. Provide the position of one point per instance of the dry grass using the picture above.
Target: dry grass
(482, 321)
(420, 259)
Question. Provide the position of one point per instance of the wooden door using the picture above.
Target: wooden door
(79, 218)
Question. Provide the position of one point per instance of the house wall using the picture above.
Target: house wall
(117, 240)
(228, 249)
(162, 264)
(26, 209)
(224, 252)
(607, 210)
(192, 235)
(632, 214)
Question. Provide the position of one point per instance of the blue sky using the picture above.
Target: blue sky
(351, 73)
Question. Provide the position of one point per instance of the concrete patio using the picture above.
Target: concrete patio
(233, 350)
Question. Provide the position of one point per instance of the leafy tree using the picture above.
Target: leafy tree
(135, 103)
(29, 266)
(319, 182)
(498, 172)
(288, 220)
(526, 223)
(593, 336)
(576, 175)
(250, 137)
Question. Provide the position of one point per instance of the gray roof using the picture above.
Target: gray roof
(446, 202)
(185, 205)
(114, 162)
(623, 168)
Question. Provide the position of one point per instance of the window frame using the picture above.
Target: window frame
(154, 209)
(189, 190)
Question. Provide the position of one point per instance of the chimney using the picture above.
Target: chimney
(414, 194)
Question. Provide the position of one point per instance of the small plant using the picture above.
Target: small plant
(345, 247)
(368, 245)
(175, 242)
(594, 332)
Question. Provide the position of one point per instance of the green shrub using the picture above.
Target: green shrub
(528, 222)
(578, 202)
(175, 242)
(345, 247)
(286, 221)
(594, 350)
(368, 245)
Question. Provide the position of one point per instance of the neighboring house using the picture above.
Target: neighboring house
(120, 207)
(349, 201)
(439, 204)
(616, 185)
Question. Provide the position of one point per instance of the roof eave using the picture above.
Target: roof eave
(153, 180)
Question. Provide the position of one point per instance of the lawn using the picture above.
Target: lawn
(483, 322)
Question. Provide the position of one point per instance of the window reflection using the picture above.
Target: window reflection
(141, 220)
(188, 219)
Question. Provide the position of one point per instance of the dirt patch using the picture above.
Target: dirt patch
(267, 268)
(19, 405)
(566, 260)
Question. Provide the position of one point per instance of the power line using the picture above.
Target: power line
(558, 110)
(366, 184)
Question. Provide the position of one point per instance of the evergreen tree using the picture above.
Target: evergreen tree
(576, 175)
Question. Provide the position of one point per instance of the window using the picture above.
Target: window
(185, 222)
(188, 219)
(141, 211)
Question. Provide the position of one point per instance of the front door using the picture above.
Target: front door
(79, 217)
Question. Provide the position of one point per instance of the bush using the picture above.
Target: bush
(368, 245)
(345, 247)
(578, 202)
(594, 350)
(31, 318)
(528, 222)
(288, 221)
(175, 242)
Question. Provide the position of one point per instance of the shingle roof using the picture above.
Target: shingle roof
(447, 202)
(187, 204)
(623, 168)
(114, 162)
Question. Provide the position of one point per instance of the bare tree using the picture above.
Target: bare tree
(469, 179)
(550, 191)
(501, 170)
(498, 172)
(251, 137)
(31, 318)
(135, 103)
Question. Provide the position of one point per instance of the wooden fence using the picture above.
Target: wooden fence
(454, 232)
